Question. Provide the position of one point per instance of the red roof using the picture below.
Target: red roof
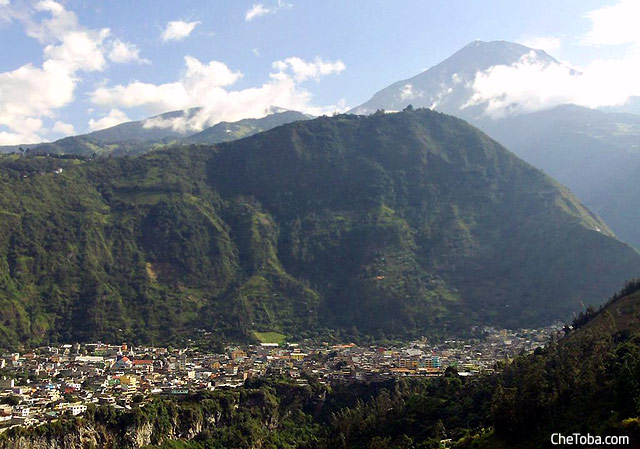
(143, 362)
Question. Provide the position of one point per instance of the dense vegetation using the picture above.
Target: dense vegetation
(394, 225)
(591, 152)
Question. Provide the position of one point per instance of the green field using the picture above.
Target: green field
(270, 337)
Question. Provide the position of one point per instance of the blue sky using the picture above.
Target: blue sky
(72, 66)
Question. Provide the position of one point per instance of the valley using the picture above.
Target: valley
(220, 230)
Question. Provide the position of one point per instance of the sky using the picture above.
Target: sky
(70, 67)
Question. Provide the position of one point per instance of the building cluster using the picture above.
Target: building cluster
(52, 382)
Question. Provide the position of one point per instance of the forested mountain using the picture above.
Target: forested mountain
(393, 225)
(594, 153)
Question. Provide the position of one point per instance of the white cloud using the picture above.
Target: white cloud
(303, 70)
(155, 98)
(123, 52)
(214, 74)
(531, 85)
(66, 129)
(31, 90)
(81, 50)
(614, 25)
(257, 10)
(177, 30)
(30, 93)
(526, 86)
(23, 130)
(113, 118)
(7, 13)
(4, 2)
(49, 30)
(208, 86)
(407, 92)
(546, 43)
(256, 52)
(187, 92)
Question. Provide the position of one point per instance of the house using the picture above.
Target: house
(76, 408)
(6, 384)
(21, 411)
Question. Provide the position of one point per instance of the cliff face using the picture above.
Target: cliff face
(81, 437)
(95, 435)
(261, 414)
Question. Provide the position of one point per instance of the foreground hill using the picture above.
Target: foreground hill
(391, 225)
(585, 383)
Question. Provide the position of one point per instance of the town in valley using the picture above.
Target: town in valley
(51, 382)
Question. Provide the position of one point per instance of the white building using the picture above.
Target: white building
(76, 409)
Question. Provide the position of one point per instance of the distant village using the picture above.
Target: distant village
(52, 382)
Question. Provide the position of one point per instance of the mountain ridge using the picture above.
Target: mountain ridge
(135, 138)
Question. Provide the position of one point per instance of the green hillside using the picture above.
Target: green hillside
(353, 227)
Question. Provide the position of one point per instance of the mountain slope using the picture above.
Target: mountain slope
(140, 137)
(228, 131)
(586, 382)
(390, 225)
(141, 130)
(595, 154)
(446, 86)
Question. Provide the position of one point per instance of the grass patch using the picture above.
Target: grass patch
(270, 337)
